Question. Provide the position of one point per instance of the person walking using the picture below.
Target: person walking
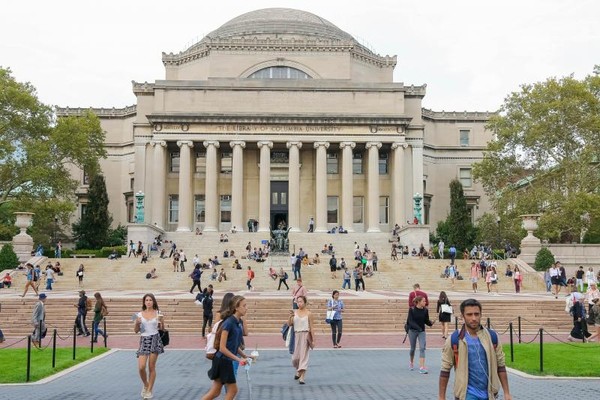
(49, 277)
(100, 311)
(417, 292)
(131, 249)
(222, 370)
(518, 279)
(579, 276)
(311, 225)
(474, 275)
(207, 309)
(250, 275)
(444, 310)
(79, 274)
(358, 280)
(196, 275)
(452, 274)
(347, 276)
(595, 314)
(147, 323)
(304, 339)
(418, 317)
(479, 363)
(82, 309)
(335, 306)
(38, 320)
(283, 276)
(30, 282)
(298, 291)
(452, 254)
(555, 279)
(333, 266)
(441, 249)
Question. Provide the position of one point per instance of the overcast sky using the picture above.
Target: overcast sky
(470, 53)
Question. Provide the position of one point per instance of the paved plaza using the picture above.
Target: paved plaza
(333, 374)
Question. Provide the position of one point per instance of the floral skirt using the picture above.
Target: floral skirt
(150, 344)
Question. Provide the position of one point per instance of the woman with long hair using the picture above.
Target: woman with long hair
(418, 317)
(100, 311)
(337, 306)
(444, 317)
(518, 278)
(221, 371)
(302, 322)
(147, 323)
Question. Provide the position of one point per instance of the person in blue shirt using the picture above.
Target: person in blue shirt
(221, 371)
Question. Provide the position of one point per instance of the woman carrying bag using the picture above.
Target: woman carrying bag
(418, 317)
(335, 308)
(444, 310)
(302, 322)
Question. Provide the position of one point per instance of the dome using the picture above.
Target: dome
(281, 22)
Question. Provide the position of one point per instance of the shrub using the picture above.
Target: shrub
(8, 257)
(544, 259)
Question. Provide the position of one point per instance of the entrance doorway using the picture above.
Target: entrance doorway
(279, 205)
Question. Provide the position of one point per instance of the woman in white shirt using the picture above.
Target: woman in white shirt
(147, 323)
(589, 276)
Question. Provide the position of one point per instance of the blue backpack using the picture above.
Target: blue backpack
(459, 335)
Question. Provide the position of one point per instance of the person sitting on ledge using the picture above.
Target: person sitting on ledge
(342, 230)
(198, 231)
(272, 273)
(225, 253)
(413, 252)
(152, 274)
(332, 230)
(232, 254)
(162, 253)
(57, 269)
(7, 280)
(114, 255)
(325, 249)
(236, 264)
(316, 259)
(214, 275)
(234, 229)
(222, 275)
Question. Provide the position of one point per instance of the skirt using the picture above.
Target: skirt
(150, 344)
(445, 317)
(222, 369)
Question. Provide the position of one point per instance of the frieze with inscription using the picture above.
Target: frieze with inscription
(277, 129)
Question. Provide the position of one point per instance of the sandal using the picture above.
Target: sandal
(296, 377)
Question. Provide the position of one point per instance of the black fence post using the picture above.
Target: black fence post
(104, 330)
(512, 353)
(54, 349)
(455, 323)
(519, 328)
(541, 350)
(488, 323)
(92, 339)
(74, 340)
(28, 358)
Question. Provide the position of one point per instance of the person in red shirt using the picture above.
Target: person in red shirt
(250, 277)
(417, 292)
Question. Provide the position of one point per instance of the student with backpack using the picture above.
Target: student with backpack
(477, 358)
(196, 275)
(207, 308)
(283, 276)
(228, 340)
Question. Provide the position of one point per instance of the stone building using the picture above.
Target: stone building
(279, 115)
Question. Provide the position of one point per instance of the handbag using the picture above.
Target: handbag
(329, 316)
(446, 308)
(164, 336)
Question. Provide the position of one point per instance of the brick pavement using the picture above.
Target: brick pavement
(333, 374)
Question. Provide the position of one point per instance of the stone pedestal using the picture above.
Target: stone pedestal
(530, 245)
(22, 242)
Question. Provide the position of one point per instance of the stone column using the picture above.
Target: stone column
(417, 164)
(398, 189)
(211, 191)
(237, 185)
(264, 186)
(185, 186)
(347, 186)
(373, 186)
(159, 183)
(321, 187)
(294, 186)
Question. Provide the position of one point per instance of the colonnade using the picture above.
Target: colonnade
(186, 215)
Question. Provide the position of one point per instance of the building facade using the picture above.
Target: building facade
(280, 116)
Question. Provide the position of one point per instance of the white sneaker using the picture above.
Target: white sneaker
(149, 395)
(144, 392)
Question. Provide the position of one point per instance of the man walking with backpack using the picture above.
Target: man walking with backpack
(82, 309)
(196, 275)
(477, 358)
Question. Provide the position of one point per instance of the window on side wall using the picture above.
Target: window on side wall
(464, 175)
(464, 137)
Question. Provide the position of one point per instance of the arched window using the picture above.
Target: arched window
(280, 72)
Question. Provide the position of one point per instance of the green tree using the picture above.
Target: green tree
(8, 258)
(92, 230)
(545, 156)
(543, 259)
(498, 231)
(37, 153)
(458, 227)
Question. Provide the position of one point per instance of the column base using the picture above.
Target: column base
(210, 229)
(183, 229)
(321, 230)
(373, 230)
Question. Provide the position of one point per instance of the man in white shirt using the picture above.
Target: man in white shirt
(441, 249)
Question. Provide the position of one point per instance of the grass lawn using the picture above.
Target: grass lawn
(560, 359)
(14, 362)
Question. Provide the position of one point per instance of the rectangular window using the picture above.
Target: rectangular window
(465, 177)
(83, 210)
(173, 208)
(199, 208)
(226, 208)
(384, 209)
(275, 198)
(130, 211)
(358, 209)
(201, 162)
(226, 162)
(357, 163)
(131, 182)
(332, 209)
(174, 161)
(464, 137)
(283, 198)
(332, 163)
(383, 163)
(280, 157)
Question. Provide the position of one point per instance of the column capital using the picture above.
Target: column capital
(208, 143)
(396, 145)
(368, 145)
(347, 144)
(416, 145)
(290, 144)
(316, 145)
(182, 143)
(161, 143)
(240, 143)
(267, 143)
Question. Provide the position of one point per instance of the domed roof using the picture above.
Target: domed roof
(279, 21)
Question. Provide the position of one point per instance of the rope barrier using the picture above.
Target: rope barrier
(12, 344)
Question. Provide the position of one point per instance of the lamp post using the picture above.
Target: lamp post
(55, 229)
